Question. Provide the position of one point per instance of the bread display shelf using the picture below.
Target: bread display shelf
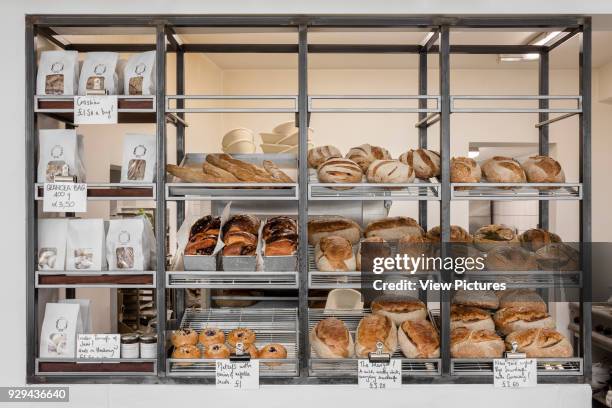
(270, 326)
(111, 191)
(600, 340)
(516, 191)
(110, 367)
(529, 279)
(233, 103)
(474, 108)
(343, 367)
(546, 366)
(364, 103)
(182, 191)
(95, 279)
(234, 280)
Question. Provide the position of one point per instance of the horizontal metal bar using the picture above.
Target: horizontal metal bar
(87, 47)
(555, 119)
(292, 98)
(364, 48)
(570, 33)
(242, 48)
(482, 49)
(455, 98)
(313, 98)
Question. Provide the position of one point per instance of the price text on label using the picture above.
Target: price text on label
(65, 197)
(379, 376)
(237, 375)
(95, 109)
(515, 373)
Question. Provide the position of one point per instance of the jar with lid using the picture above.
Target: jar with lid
(148, 346)
(130, 345)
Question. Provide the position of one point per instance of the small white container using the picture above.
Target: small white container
(294, 138)
(236, 135)
(130, 345)
(240, 147)
(148, 346)
(271, 138)
(285, 128)
(344, 299)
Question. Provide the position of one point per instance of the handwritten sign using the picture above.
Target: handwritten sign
(379, 376)
(237, 375)
(98, 346)
(65, 197)
(515, 372)
(95, 109)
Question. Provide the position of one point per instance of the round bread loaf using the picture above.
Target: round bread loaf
(399, 309)
(374, 247)
(393, 228)
(558, 257)
(457, 234)
(464, 170)
(418, 339)
(426, 163)
(331, 339)
(466, 343)
(508, 320)
(389, 171)
(510, 257)
(535, 238)
(365, 154)
(334, 254)
(490, 236)
(525, 299)
(319, 154)
(338, 170)
(273, 351)
(543, 169)
(470, 317)
(486, 299)
(324, 226)
(414, 246)
(540, 343)
(499, 169)
(373, 329)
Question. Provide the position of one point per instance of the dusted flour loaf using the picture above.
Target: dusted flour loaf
(501, 169)
(418, 339)
(426, 163)
(324, 226)
(389, 171)
(511, 319)
(365, 154)
(466, 343)
(373, 329)
(393, 228)
(470, 317)
(331, 339)
(540, 343)
(338, 170)
(318, 155)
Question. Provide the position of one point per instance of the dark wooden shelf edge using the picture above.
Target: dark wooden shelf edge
(84, 279)
(118, 367)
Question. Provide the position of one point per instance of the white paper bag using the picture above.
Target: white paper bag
(85, 247)
(57, 73)
(139, 158)
(84, 313)
(60, 327)
(139, 74)
(52, 235)
(60, 150)
(129, 244)
(98, 73)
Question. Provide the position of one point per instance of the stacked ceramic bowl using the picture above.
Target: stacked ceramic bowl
(283, 139)
(240, 140)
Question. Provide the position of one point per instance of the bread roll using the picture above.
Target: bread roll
(501, 169)
(540, 343)
(511, 319)
(183, 337)
(457, 234)
(510, 257)
(426, 163)
(543, 169)
(485, 299)
(375, 247)
(211, 335)
(241, 335)
(526, 299)
(393, 228)
(466, 343)
(373, 329)
(273, 351)
(324, 226)
(218, 350)
(492, 235)
(399, 309)
(389, 171)
(535, 238)
(319, 154)
(418, 339)
(470, 317)
(365, 154)
(186, 351)
(558, 257)
(339, 171)
(334, 254)
(464, 170)
(331, 339)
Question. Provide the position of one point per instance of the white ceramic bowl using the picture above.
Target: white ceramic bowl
(240, 147)
(294, 138)
(236, 135)
(271, 138)
(294, 149)
(286, 128)
(274, 148)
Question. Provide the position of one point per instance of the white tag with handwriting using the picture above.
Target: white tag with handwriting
(98, 346)
(379, 376)
(65, 197)
(95, 109)
(515, 372)
(237, 375)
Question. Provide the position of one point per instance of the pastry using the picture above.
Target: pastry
(485, 299)
(365, 154)
(338, 170)
(324, 226)
(510, 257)
(241, 335)
(278, 224)
(242, 222)
(186, 351)
(201, 244)
(330, 338)
(218, 350)
(399, 309)
(393, 228)
(499, 169)
(239, 249)
(535, 238)
(543, 169)
(183, 337)
(526, 299)
(466, 343)
(373, 329)
(511, 319)
(389, 171)
(318, 155)
(334, 254)
(457, 234)
(241, 237)
(489, 236)
(418, 339)
(273, 350)
(374, 247)
(470, 317)
(280, 236)
(464, 170)
(540, 343)
(211, 335)
(426, 163)
(558, 257)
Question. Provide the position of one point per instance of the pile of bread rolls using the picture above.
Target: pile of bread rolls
(213, 343)
(394, 322)
(480, 320)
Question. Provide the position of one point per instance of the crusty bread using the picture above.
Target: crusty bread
(193, 174)
(414, 246)
(499, 169)
(426, 163)
(510, 257)
(242, 170)
(331, 339)
(511, 319)
(535, 238)
(373, 329)
(485, 299)
(457, 234)
(324, 226)
(276, 172)
(526, 299)
(418, 339)
(334, 254)
(470, 317)
(365, 154)
(464, 170)
(338, 170)
(393, 228)
(540, 343)
(543, 169)
(375, 247)
(399, 309)
(389, 171)
(466, 343)
(319, 154)
(558, 257)
(491, 235)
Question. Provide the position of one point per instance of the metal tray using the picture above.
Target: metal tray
(200, 262)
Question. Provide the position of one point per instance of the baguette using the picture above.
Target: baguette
(219, 172)
(242, 171)
(247, 166)
(192, 175)
(275, 172)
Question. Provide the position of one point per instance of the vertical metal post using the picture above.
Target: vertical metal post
(445, 190)
(585, 203)
(303, 195)
(179, 294)
(31, 212)
(543, 85)
(423, 127)
(160, 219)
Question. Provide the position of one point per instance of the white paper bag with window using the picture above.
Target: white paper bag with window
(52, 235)
(130, 244)
(139, 158)
(85, 247)
(61, 324)
(139, 74)
(84, 313)
(60, 150)
(57, 73)
(98, 73)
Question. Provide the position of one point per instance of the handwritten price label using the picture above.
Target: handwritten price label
(65, 197)
(379, 376)
(515, 373)
(100, 346)
(95, 109)
(237, 375)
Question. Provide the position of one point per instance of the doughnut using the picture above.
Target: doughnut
(183, 337)
(211, 335)
(218, 350)
(242, 335)
(273, 350)
(186, 351)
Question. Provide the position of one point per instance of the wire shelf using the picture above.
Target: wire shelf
(343, 367)
(111, 191)
(529, 279)
(516, 191)
(95, 279)
(234, 280)
(96, 367)
(270, 326)
(546, 366)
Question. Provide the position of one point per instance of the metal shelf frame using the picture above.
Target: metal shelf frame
(439, 43)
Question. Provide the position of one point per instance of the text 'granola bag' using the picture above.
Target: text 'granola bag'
(52, 233)
(99, 73)
(60, 327)
(130, 244)
(139, 74)
(85, 247)
(60, 150)
(139, 158)
(57, 73)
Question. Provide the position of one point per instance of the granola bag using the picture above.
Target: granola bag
(130, 244)
(85, 247)
(52, 243)
(57, 73)
(99, 73)
(139, 74)
(60, 151)
(139, 158)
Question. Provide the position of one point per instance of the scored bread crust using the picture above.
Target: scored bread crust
(418, 339)
(466, 343)
(543, 169)
(510, 257)
(522, 299)
(372, 329)
(320, 154)
(338, 170)
(500, 169)
(323, 226)
(540, 343)
(535, 238)
(470, 317)
(331, 339)
(510, 319)
(365, 154)
(376, 248)
(389, 171)
(465, 170)
(393, 228)
(426, 163)
(457, 234)
(334, 254)
(485, 299)
(400, 309)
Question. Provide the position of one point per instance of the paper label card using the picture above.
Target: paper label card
(379, 376)
(515, 372)
(95, 109)
(98, 346)
(65, 197)
(237, 375)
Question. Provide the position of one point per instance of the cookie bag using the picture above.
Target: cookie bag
(60, 150)
(139, 74)
(99, 74)
(52, 234)
(61, 324)
(129, 244)
(57, 73)
(139, 158)
(85, 246)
